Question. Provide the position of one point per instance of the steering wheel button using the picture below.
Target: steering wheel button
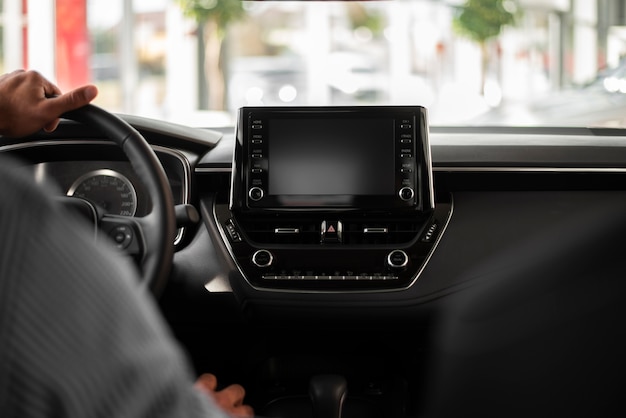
(122, 235)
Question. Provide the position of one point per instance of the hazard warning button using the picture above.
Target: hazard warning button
(331, 232)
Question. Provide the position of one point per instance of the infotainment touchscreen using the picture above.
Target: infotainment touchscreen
(331, 158)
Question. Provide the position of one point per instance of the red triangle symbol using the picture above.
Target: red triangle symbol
(331, 230)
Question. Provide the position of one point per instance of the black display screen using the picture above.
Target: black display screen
(328, 160)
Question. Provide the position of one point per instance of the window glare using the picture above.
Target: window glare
(148, 58)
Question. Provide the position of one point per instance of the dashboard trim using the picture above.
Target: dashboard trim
(186, 178)
(186, 168)
(44, 143)
(214, 170)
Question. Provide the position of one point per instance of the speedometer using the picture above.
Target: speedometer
(108, 189)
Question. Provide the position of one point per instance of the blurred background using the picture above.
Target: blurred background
(474, 62)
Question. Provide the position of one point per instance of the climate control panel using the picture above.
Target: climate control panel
(331, 252)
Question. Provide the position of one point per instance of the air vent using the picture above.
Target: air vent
(355, 230)
(395, 232)
(274, 231)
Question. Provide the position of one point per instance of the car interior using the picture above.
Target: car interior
(359, 261)
(463, 282)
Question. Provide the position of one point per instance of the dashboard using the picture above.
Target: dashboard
(479, 179)
(370, 276)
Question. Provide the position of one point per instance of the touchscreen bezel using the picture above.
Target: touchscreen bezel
(405, 158)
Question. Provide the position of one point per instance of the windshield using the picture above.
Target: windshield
(474, 62)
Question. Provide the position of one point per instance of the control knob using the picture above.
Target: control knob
(262, 258)
(397, 259)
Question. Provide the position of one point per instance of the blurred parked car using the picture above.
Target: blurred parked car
(600, 103)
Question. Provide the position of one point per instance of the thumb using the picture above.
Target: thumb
(57, 105)
(73, 99)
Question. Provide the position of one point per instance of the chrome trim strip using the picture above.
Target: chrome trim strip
(213, 170)
(286, 231)
(380, 230)
(186, 181)
(34, 144)
(427, 148)
(186, 168)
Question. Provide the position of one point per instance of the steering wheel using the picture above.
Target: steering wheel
(148, 239)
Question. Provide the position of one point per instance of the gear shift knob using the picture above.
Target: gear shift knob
(327, 394)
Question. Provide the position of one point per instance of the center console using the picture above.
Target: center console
(331, 198)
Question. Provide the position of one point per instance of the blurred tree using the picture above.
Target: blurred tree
(360, 16)
(213, 17)
(483, 20)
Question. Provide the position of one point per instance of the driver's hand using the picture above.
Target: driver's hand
(29, 102)
(229, 399)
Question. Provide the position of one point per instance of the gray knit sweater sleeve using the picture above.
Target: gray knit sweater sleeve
(78, 338)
